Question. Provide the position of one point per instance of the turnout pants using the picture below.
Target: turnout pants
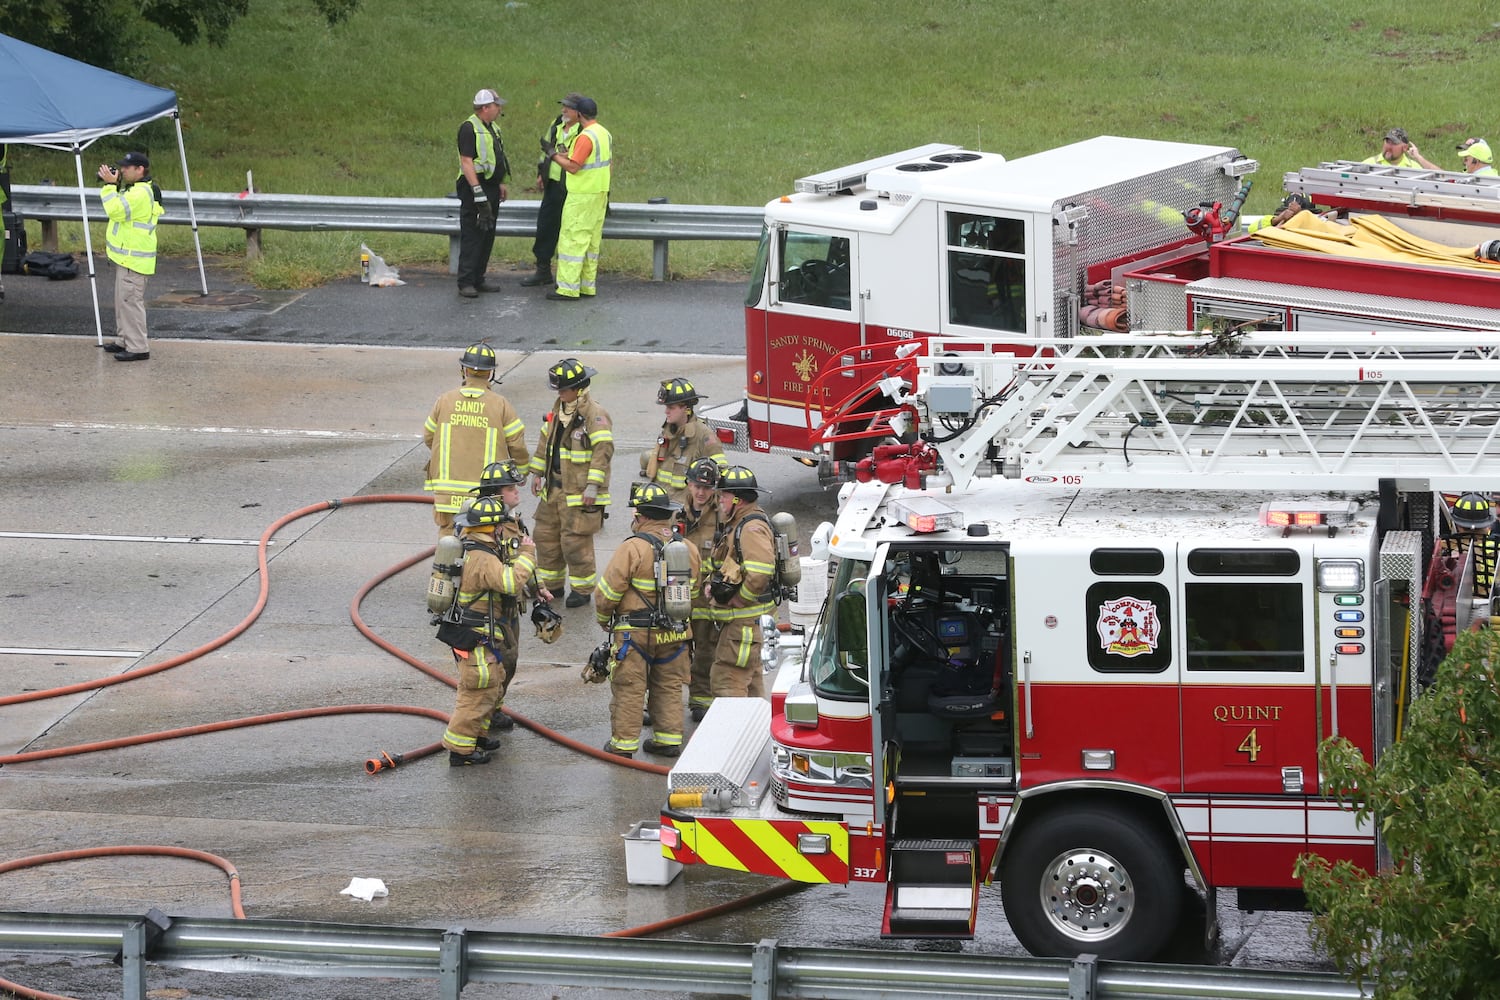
(564, 539)
(650, 673)
(484, 673)
(705, 646)
(736, 670)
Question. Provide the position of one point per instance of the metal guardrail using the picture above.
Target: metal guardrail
(764, 971)
(659, 223)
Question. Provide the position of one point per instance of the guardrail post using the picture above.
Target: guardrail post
(133, 960)
(49, 234)
(453, 963)
(1083, 976)
(763, 970)
(658, 249)
(136, 943)
(252, 244)
(453, 255)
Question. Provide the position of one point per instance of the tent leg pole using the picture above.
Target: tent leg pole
(88, 244)
(187, 185)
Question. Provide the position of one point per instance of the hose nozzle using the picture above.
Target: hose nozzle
(385, 762)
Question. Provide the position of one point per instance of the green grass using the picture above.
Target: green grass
(727, 104)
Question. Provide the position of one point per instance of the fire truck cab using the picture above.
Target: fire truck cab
(865, 258)
(862, 263)
(1086, 632)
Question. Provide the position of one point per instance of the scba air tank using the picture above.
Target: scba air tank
(784, 526)
(447, 564)
(675, 580)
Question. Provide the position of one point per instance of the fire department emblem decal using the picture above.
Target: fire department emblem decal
(806, 366)
(1128, 626)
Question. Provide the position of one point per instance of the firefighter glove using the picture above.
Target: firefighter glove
(590, 495)
(486, 215)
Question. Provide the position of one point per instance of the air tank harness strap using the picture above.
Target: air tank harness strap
(626, 642)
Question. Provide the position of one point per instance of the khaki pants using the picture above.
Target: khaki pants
(130, 310)
(736, 668)
(564, 539)
(650, 673)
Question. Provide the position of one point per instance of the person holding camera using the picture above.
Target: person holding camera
(483, 176)
(132, 203)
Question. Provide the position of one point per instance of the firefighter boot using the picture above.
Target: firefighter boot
(479, 756)
(609, 747)
(501, 722)
(542, 276)
(662, 749)
(577, 599)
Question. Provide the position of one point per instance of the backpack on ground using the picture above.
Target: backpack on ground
(47, 264)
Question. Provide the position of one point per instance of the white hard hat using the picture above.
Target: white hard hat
(487, 96)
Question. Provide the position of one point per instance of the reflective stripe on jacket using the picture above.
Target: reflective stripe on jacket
(130, 237)
(593, 175)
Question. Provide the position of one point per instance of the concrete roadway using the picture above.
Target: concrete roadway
(131, 497)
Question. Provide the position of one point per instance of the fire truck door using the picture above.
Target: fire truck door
(1096, 683)
(813, 320)
(1249, 706)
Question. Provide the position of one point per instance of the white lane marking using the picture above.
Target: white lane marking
(47, 651)
(169, 539)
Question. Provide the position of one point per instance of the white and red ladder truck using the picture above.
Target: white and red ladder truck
(1093, 610)
(1114, 233)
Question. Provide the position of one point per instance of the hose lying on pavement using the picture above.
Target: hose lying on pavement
(372, 766)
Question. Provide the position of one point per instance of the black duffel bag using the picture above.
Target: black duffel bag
(46, 264)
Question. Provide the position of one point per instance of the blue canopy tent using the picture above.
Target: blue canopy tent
(61, 103)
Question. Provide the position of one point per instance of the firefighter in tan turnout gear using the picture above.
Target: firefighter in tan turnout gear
(499, 561)
(700, 524)
(570, 473)
(740, 588)
(465, 432)
(644, 601)
(684, 438)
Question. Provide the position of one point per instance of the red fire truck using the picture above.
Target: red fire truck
(861, 261)
(1086, 632)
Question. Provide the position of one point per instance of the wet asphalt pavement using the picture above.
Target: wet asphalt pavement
(131, 499)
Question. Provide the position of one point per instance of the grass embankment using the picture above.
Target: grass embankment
(727, 104)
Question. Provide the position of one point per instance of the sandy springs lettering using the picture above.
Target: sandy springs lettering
(468, 413)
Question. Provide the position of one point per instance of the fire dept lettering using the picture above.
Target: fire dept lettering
(468, 413)
(1247, 713)
(1128, 626)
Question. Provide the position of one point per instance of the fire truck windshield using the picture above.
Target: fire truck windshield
(839, 665)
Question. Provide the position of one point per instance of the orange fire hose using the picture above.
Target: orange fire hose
(132, 850)
(372, 766)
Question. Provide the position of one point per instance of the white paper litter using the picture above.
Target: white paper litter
(364, 888)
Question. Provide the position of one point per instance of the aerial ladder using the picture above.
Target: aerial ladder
(1300, 410)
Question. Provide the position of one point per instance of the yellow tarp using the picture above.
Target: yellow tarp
(1368, 237)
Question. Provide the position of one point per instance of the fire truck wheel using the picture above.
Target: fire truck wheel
(1091, 880)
